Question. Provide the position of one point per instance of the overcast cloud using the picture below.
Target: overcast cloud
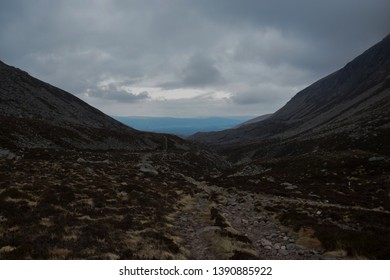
(186, 57)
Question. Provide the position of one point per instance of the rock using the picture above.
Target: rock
(7, 249)
(148, 168)
(291, 188)
(288, 186)
(283, 252)
(90, 171)
(271, 179)
(81, 160)
(7, 154)
(264, 242)
(273, 235)
(290, 246)
(376, 159)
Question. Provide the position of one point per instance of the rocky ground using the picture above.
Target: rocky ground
(171, 205)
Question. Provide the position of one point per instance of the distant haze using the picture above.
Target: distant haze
(181, 126)
(187, 58)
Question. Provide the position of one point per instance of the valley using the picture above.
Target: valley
(311, 181)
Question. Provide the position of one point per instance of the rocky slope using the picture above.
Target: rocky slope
(347, 109)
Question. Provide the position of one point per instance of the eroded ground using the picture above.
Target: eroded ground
(113, 205)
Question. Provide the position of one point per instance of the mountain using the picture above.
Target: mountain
(255, 120)
(181, 126)
(347, 109)
(34, 114)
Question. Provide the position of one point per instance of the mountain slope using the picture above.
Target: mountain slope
(34, 114)
(255, 120)
(352, 104)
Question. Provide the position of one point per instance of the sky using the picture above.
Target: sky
(187, 58)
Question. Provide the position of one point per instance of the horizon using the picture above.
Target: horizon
(181, 126)
(185, 117)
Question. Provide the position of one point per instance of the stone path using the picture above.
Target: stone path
(245, 216)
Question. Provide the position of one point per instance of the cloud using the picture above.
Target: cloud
(265, 94)
(259, 52)
(199, 72)
(112, 93)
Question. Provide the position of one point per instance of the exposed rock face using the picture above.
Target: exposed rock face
(352, 104)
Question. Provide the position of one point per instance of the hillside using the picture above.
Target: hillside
(34, 114)
(326, 154)
(351, 105)
(255, 120)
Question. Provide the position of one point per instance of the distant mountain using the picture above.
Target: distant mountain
(349, 109)
(34, 114)
(181, 126)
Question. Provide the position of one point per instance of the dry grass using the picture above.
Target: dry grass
(307, 239)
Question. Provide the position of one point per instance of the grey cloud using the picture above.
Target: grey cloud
(335, 31)
(266, 94)
(199, 72)
(209, 45)
(111, 92)
(249, 97)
